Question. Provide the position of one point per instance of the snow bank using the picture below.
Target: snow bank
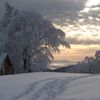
(50, 86)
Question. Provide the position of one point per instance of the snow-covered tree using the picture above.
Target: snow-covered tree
(30, 39)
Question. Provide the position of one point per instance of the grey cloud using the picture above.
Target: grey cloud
(94, 12)
(61, 12)
(52, 9)
(75, 40)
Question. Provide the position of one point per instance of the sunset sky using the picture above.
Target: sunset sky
(82, 30)
(79, 19)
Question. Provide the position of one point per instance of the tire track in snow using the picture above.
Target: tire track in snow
(47, 89)
(31, 88)
(50, 90)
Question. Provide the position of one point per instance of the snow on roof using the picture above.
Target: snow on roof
(2, 58)
(97, 52)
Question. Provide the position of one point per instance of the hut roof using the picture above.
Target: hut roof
(2, 58)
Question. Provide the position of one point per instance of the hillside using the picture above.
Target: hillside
(50, 86)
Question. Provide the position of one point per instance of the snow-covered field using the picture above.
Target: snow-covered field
(50, 86)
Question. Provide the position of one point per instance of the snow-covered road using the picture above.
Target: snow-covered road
(47, 89)
(45, 86)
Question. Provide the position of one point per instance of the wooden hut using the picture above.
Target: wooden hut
(5, 64)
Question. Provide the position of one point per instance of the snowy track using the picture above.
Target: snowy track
(47, 89)
(50, 86)
(44, 90)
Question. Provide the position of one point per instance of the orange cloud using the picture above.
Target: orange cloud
(77, 52)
